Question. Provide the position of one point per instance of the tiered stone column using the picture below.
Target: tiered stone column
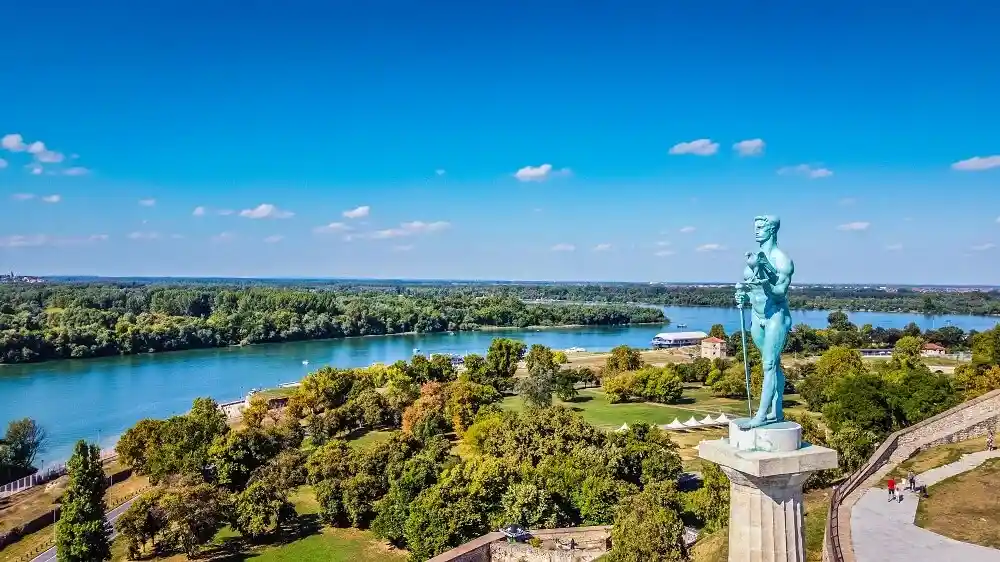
(766, 467)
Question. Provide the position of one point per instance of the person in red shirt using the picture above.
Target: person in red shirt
(892, 489)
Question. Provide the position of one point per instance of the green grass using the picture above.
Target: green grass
(368, 439)
(935, 457)
(965, 507)
(593, 405)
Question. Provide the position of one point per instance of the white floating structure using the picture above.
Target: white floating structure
(677, 339)
(708, 420)
(676, 424)
(692, 423)
(722, 419)
(624, 427)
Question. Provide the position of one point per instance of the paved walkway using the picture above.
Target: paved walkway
(883, 531)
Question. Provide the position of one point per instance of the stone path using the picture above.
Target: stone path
(884, 531)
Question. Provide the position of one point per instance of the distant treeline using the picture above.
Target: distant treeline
(70, 320)
(904, 300)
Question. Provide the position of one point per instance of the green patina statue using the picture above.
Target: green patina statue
(766, 278)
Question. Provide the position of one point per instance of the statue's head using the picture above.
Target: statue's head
(766, 227)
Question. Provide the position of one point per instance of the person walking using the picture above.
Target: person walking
(911, 480)
(892, 489)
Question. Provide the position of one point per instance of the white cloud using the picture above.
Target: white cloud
(540, 173)
(226, 212)
(894, 247)
(22, 196)
(13, 142)
(602, 247)
(198, 211)
(274, 239)
(52, 198)
(76, 171)
(3, 163)
(663, 253)
(331, 228)
(983, 247)
(977, 163)
(224, 237)
(266, 211)
(700, 147)
(563, 248)
(751, 147)
(805, 170)
(440, 172)
(403, 247)
(418, 227)
(147, 202)
(687, 229)
(35, 169)
(857, 225)
(710, 248)
(33, 240)
(143, 235)
(358, 212)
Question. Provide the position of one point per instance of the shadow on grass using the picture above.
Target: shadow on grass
(235, 549)
(579, 399)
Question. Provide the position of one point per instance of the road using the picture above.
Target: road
(111, 516)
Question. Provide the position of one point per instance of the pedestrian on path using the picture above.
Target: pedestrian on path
(892, 489)
(911, 479)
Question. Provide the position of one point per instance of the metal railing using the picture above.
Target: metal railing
(41, 477)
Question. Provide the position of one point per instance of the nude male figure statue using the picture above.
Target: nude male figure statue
(766, 278)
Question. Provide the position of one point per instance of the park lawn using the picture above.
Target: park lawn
(593, 405)
(934, 457)
(369, 439)
(965, 507)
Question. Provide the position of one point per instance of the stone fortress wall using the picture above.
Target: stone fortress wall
(592, 542)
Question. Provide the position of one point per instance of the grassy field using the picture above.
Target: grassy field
(965, 507)
(934, 458)
(368, 438)
(715, 547)
(308, 542)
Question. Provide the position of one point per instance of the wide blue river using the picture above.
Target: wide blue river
(97, 399)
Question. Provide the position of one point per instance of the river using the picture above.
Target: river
(97, 399)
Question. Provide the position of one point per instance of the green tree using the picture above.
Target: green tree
(502, 358)
(838, 320)
(906, 352)
(648, 526)
(622, 358)
(141, 523)
(711, 501)
(537, 387)
(986, 347)
(717, 331)
(194, 513)
(863, 399)
(260, 509)
(531, 507)
(82, 534)
(836, 363)
(20, 445)
(236, 455)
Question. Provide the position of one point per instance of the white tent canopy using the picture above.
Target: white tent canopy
(676, 424)
(692, 422)
(722, 419)
(708, 420)
(624, 427)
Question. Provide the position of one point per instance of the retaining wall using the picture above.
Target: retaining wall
(592, 543)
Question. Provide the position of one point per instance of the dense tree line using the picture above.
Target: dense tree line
(801, 297)
(19, 447)
(542, 468)
(62, 321)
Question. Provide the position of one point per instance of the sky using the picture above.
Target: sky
(544, 140)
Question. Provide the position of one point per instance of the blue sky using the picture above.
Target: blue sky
(500, 139)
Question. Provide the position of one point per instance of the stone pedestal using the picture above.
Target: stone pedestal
(765, 509)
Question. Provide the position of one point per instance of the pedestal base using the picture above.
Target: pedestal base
(781, 437)
(765, 509)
